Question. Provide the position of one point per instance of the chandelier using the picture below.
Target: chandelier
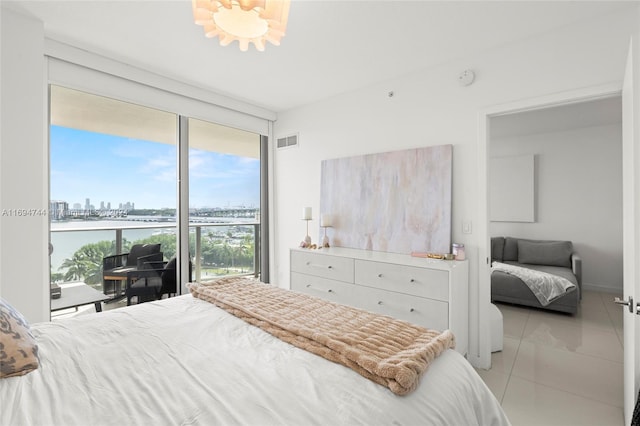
(248, 21)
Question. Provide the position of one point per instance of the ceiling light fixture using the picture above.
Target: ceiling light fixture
(248, 21)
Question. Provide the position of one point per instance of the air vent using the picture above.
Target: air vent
(287, 141)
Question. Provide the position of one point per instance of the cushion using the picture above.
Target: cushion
(510, 252)
(497, 247)
(552, 253)
(18, 348)
(139, 250)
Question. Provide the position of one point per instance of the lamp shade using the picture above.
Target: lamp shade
(248, 21)
(326, 220)
(306, 213)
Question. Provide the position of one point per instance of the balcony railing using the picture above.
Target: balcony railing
(204, 266)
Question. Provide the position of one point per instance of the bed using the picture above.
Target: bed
(185, 361)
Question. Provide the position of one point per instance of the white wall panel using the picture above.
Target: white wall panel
(512, 188)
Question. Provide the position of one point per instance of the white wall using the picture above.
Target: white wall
(24, 261)
(430, 108)
(578, 197)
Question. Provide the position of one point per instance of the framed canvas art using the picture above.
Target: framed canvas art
(397, 201)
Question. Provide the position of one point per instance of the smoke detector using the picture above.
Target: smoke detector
(466, 78)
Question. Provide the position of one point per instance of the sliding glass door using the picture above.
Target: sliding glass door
(224, 200)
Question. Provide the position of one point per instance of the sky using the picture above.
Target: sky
(118, 170)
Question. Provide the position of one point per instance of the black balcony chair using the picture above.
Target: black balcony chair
(170, 279)
(153, 281)
(115, 269)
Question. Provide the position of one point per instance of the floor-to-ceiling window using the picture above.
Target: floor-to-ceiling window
(112, 184)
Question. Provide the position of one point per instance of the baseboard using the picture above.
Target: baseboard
(601, 288)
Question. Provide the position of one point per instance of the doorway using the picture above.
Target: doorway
(564, 114)
(577, 181)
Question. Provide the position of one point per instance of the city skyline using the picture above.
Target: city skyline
(144, 173)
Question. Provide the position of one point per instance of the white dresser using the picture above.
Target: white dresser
(427, 292)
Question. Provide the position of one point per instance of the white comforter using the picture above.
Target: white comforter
(183, 361)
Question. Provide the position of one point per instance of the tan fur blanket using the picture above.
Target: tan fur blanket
(390, 352)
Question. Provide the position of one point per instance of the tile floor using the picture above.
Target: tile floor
(557, 369)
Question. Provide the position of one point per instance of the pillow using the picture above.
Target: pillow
(139, 250)
(18, 348)
(497, 247)
(551, 253)
(510, 251)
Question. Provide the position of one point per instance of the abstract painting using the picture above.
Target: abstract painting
(397, 202)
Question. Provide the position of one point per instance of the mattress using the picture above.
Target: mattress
(183, 361)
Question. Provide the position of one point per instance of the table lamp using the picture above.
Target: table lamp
(326, 221)
(306, 216)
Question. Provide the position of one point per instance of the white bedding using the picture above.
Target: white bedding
(183, 361)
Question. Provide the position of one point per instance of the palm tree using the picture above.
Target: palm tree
(86, 263)
(241, 252)
(76, 267)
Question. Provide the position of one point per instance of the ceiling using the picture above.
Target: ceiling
(330, 46)
(598, 112)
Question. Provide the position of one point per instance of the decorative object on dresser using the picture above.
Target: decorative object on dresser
(427, 292)
(326, 221)
(556, 258)
(458, 252)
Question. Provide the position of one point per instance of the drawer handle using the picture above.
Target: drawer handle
(309, 286)
(412, 280)
(318, 266)
(410, 309)
(379, 275)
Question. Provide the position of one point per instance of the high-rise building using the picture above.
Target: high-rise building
(58, 209)
(87, 204)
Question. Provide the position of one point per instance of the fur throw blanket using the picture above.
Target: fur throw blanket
(388, 351)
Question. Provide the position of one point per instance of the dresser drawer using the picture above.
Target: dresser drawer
(335, 291)
(423, 282)
(428, 313)
(325, 266)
